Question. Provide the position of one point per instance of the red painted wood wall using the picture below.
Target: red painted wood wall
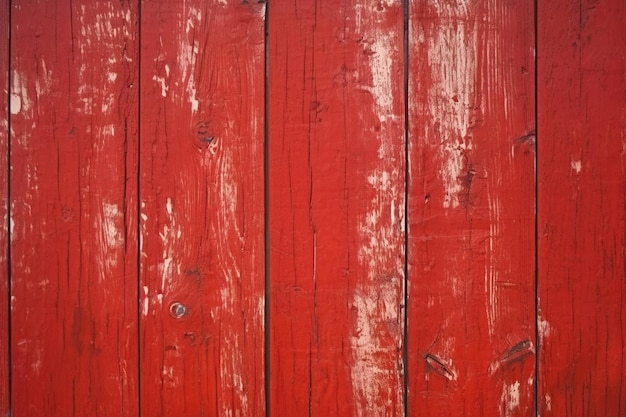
(331, 208)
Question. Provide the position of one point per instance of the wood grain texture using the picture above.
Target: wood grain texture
(73, 208)
(582, 208)
(4, 218)
(202, 197)
(471, 208)
(336, 208)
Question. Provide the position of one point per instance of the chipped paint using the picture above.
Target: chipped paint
(492, 270)
(114, 237)
(170, 234)
(146, 301)
(548, 401)
(19, 99)
(510, 399)
(383, 48)
(375, 300)
(188, 49)
(451, 51)
(370, 377)
(108, 224)
(162, 82)
(544, 328)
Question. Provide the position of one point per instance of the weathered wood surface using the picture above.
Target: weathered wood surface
(136, 230)
(73, 208)
(582, 182)
(202, 196)
(471, 304)
(336, 208)
(4, 215)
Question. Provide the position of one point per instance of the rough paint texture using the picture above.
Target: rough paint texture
(132, 261)
(336, 184)
(73, 198)
(471, 208)
(201, 188)
(4, 217)
(582, 183)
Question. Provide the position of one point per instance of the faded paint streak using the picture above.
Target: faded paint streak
(109, 223)
(188, 49)
(510, 399)
(451, 50)
(168, 267)
(20, 101)
(492, 270)
(377, 298)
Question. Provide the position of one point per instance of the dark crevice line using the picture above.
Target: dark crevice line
(138, 209)
(8, 222)
(405, 350)
(266, 206)
(536, 116)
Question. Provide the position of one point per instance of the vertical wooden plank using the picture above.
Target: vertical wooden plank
(336, 212)
(471, 208)
(202, 208)
(73, 208)
(582, 183)
(4, 235)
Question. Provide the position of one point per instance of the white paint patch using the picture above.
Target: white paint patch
(146, 301)
(451, 50)
(43, 83)
(112, 216)
(577, 166)
(544, 328)
(374, 306)
(108, 131)
(108, 224)
(169, 238)
(169, 375)
(377, 297)
(142, 229)
(19, 100)
(548, 401)
(16, 103)
(492, 272)
(162, 82)
(509, 400)
(381, 64)
(188, 49)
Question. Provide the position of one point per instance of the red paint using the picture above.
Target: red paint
(4, 219)
(137, 217)
(582, 180)
(336, 208)
(73, 218)
(471, 278)
(202, 196)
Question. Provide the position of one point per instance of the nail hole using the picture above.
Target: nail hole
(178, 310)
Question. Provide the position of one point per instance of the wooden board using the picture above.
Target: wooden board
(336, 208)
(582, 181)
(73, 208)
(4, 217)
(202, 197)
(471, 304)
